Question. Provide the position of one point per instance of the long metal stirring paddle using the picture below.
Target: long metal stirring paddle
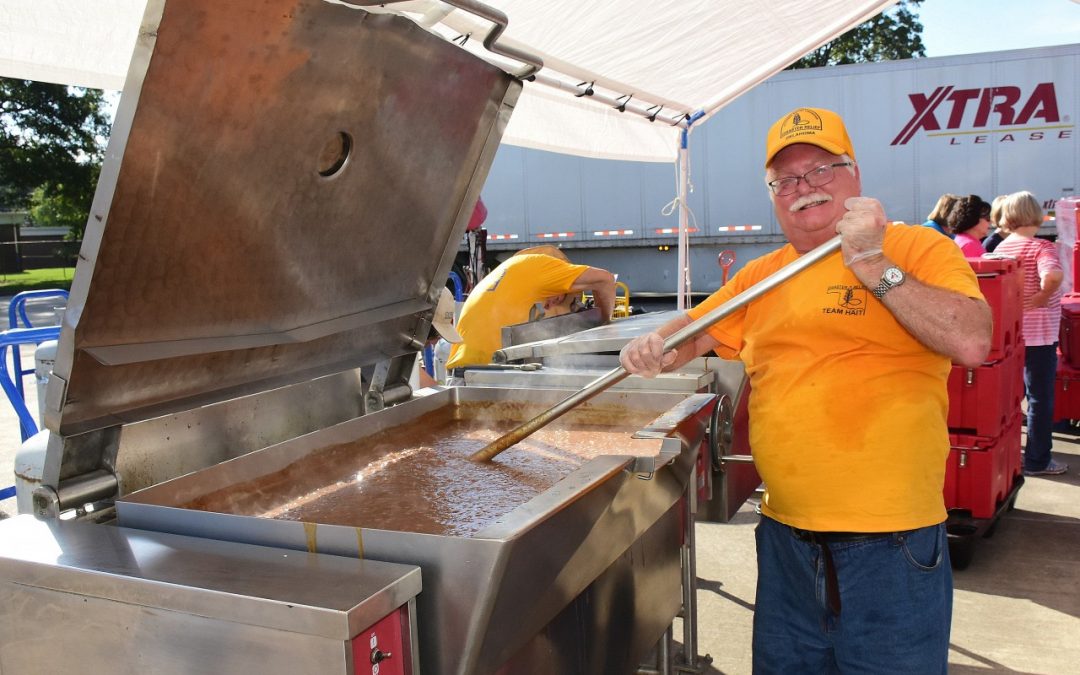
(684, 334)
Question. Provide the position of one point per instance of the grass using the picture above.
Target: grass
(32, 280)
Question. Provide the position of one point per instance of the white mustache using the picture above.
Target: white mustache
(808, 199)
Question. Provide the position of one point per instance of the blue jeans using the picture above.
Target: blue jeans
(895, 604)
(1040, 369)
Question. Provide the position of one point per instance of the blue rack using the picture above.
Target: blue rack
(459, 295)
(21, 331)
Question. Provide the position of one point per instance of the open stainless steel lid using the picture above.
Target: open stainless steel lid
(283, 194)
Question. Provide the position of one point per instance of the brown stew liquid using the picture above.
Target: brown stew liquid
(417, 477)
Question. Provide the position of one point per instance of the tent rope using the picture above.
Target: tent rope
(673, 205)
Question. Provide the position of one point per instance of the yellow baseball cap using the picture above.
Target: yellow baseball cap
(815, 126)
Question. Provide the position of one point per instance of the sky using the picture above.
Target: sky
(973, 26)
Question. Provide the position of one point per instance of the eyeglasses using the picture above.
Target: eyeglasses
(815, 177)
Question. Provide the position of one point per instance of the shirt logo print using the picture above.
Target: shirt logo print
(847, 300)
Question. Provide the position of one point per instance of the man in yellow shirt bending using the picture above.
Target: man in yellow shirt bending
(539, 275)
(848, 363)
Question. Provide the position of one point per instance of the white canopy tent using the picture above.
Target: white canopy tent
(681, 60)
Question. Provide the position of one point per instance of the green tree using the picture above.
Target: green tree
(51, 145)
(54, 208)
(894, 34)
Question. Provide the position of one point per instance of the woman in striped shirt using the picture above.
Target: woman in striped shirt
(1022, 215)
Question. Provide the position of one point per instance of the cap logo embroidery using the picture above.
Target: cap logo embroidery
(801, 122)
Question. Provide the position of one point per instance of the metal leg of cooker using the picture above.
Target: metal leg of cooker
(665, 651)
(690, 662)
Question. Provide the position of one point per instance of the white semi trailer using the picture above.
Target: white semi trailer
(986, 124)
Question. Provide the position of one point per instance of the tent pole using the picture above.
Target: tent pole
(652, 112)
(683, 299)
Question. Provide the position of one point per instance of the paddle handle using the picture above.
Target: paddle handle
(677, 338)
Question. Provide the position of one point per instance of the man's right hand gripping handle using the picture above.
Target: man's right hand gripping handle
(644, 355)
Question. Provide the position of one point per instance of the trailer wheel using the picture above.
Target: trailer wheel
(961, 550)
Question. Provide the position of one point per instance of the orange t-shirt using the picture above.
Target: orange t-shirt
(847, 409)
(504, 298)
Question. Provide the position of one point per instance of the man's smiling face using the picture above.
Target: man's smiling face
(809, 215)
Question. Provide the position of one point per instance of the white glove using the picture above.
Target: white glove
(644, 355)
(862, 229)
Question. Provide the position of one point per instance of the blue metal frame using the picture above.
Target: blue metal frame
(12, 339)
(20, 331)
(459, 295)
(459, 286)
(17, 318)
(429, 360)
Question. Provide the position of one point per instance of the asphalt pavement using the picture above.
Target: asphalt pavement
(1016, 608)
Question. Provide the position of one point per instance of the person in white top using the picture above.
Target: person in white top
(1022, 215)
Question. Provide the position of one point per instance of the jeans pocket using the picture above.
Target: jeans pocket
(924, 548)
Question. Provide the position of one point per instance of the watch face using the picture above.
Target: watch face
(893, 275)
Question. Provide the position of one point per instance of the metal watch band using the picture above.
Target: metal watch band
(884, 285)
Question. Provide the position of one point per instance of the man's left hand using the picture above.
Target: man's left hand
(862, 229)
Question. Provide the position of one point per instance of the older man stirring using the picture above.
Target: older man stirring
(848, 363)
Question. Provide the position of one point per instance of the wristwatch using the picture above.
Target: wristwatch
(890, 278)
